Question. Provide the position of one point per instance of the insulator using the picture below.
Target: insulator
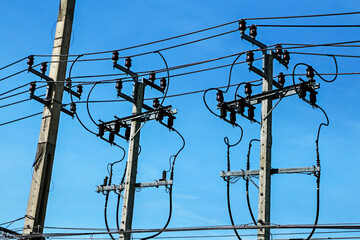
(170, 122)
(251, 113)
(68, 82)
(232, 117)
(248, 89)
(115, 56)
(302, 91)
(223, 112)
(241, 107)
(242, 25)
(128, 62)
(79, 89)
(310, 73)
(163, 175)
(160, 116)
(73, 107)
(219, 96)
(111, 136)
(286, 56)
(105, 181)
(43, 67)
(30, 61)
(250, 57)
(32, 87)
(127, 133)
(281, 79)
(253, 31)
(156, 103)
(279, 50)
(101, 130)
(152, 77)
(117, 127)
(163, 83)
(313, 98)
(119, 86)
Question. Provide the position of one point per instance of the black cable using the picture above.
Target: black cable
(11, 64)
(170, 187)
(307, 65)
(168, 74)
(12, 221)
(305, 16)
(87, 104)
(247, 182)
(226, 141)
(318, 173)
(19, 119)
(230, 72)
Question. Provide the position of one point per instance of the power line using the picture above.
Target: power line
(305, 16)
(19, 119)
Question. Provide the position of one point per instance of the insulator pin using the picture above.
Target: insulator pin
(163, 83)
(242, 25)
(115, 56)
(253, 31)
(32, 87)
(248, 89)
(43, 67)
(250, 58)
(219, 96)
(128, 62)
(30, 61)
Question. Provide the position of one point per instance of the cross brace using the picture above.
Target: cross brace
(274, 94)
(244, 173)
(145, 116)
(119, 188)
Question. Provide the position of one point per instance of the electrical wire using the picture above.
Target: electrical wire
(19, 119)
(170, 188)
(226, 141)
(247, 181)
(305, 16)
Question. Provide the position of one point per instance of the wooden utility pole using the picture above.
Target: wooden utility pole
(132, 162)
(265, 150)
(39, 191)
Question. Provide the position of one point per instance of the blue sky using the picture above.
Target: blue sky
(199, 193)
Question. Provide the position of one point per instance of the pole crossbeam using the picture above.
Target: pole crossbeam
(245, 173)
(119, 188)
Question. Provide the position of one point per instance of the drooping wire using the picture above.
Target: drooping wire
(108, 192)
(227, 179)
(307, 65)
(87, 104)
(170, 188)
(168, 74)
(247, 181)
(317, 174)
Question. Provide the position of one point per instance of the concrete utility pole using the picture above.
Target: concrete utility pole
(265, 150)
(39, 191)
(131, 171)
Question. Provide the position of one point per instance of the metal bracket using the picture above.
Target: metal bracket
(274, 94)
(257, 71)
(151, 84)
(127, 71)
(119, 188)
(279, 59)
(253, 41)
(311, 170)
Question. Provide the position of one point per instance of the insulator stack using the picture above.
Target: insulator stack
(43, 67)
(128, 62)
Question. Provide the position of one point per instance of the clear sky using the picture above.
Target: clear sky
(199, 194)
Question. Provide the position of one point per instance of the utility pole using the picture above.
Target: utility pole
(39, 191)
(266, 98)
(131, 171)
(265, 150)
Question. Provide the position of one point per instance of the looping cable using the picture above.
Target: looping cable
(168, 76)
(226, 139)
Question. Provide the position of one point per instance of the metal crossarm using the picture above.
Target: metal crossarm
(274, 94)
(127, 71)
(119, 188)
(253, 41)
(244, 173)
(151, 84)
